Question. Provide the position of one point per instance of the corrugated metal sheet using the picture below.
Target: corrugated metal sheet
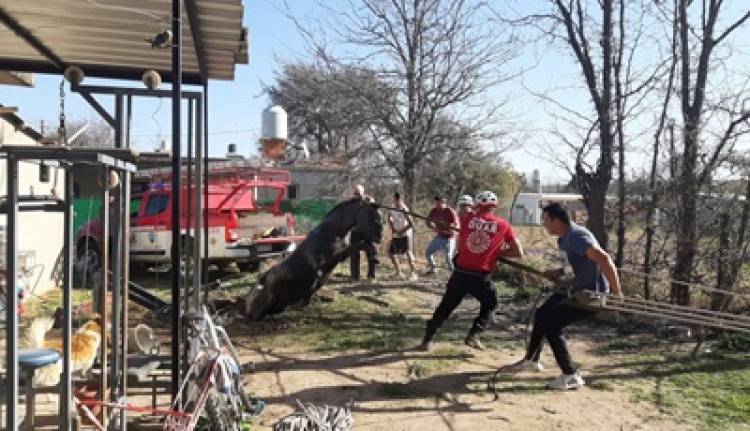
(104, 36)
(16, 78)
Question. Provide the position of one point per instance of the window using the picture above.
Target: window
(157, 204)
(135, 205)
(291, 191)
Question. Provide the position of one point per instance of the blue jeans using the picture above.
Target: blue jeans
(446, 245)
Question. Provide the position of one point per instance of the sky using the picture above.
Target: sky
(236, 106)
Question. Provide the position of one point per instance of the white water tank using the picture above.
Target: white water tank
(536, 181)
(274, 124)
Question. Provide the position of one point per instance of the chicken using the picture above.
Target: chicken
(84, 348)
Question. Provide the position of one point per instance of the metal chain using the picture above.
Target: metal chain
(61, 132)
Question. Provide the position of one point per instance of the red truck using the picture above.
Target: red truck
(245, 221)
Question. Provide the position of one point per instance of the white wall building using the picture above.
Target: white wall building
(40, 235)
(527, 208)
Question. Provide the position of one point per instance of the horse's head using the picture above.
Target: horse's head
(369, 221)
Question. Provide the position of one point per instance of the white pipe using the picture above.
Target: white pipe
(77, 133)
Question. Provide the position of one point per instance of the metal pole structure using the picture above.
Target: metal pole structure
(11, 300)
(199, 178)
(189, 206)
(186, 279)
(67, 304)
(103, 381)
(125, 257)
(128, 120)
(204, 266)
(176, 150)
(116, 229)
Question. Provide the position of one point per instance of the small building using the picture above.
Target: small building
(527, 208)
(316, 180)
(40, 238)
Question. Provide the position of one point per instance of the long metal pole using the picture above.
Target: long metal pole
(189, 206)
(176, 149)
(67, 382)
(199, 178)
(125, 257)
(103, 312)
(204, 266)
(11, 300)
(117, 238)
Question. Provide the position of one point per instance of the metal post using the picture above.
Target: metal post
(199, 178)
(204, 266)
(11, 300)
(103, 292)
(176, 150)
(189, 206)
(67, 305)
(128, 120)
(116, 229)
(125, 257)
(119, 118)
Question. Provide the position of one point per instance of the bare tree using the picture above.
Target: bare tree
(92, 133)
(733, 239)
(616, 81)
(460, 166)
(697, 165)
(594, 184)
(438, 54)
(321, 110)
(654, 190)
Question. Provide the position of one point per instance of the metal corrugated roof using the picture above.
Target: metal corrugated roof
(109, 38)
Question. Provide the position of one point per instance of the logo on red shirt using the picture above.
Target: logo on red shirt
(478, 242)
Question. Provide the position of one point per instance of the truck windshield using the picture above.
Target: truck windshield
(266, 198)
(157, 204)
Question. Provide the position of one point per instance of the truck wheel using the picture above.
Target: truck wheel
(252, 266)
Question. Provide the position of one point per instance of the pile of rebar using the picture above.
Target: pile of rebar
(673, 312)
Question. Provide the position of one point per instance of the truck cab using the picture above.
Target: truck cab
(245, 222)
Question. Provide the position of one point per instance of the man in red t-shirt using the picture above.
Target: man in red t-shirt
(483, 238)
(443, 220)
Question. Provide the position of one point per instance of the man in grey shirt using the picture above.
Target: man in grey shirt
(593, 270)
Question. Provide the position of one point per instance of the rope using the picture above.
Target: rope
(692, 315)
(492, 385)
(539, 273)
(134, 408)
(61, 130)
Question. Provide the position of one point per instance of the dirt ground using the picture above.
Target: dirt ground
(359, 350)
(392, 386)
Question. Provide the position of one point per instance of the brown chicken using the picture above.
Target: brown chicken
(84, 347)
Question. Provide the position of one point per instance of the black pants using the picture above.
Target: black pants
(459, 285)
(549, 320)
(370, 251)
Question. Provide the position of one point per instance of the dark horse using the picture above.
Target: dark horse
(300, 275)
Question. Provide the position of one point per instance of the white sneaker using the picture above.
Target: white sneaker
(564, 382)
(413, 277)
(526, 365)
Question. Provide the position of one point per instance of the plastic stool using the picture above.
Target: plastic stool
(29, 360)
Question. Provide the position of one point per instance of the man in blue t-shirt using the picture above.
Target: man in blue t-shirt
(593, 270)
